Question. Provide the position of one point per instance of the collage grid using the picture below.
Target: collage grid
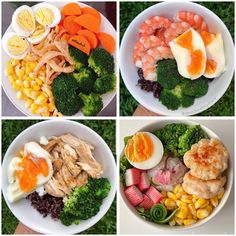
(126, 110)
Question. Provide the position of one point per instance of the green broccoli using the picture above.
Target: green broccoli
(105, 84)
(64, 89)
(101, 61)
(86, 79)
(192, 135)
(174, 98)
(84, 202)
(79, 57)
(92, 104)
(167, 74)
(195, 88)
(178, 138)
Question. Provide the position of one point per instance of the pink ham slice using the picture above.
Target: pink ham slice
(134, 195)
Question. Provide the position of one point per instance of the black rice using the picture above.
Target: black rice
(47, 204)
(149, 86)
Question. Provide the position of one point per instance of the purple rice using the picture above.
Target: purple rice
(47, 204)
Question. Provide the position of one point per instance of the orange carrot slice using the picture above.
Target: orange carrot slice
(91, 11)
(90, 36)
(70, 26)
(89, 22)
(80, 42)
(107, 41)
(71, 9)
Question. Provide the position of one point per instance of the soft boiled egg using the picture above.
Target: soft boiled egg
(215, 64)
(15, 46)
(23, 21)
(39, 34)
(189, 52)
(47, 14)
(29, 172)
(144, 150)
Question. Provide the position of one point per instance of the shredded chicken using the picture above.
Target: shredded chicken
(73, 164)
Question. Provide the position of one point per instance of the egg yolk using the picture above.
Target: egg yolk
(16, 45)
(139, 148)
(210, 66)
(29, 170)
(25, 20)
(44, 16)
(207, 37)
(39, 30)
(186, 41)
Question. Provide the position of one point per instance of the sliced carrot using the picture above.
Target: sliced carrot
(71, 9)
(89, 22)
(80, 42)
(90, 36)
(65, 37)
(91, 11)
(107, 41)
(70, 26)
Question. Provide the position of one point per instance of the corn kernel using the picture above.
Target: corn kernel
(192, 209)
(171, 196)
(186, 198)
(201, 203)
(214, 201)
(19, 82)
(19, 95)
(170, 204)
(41, 99)
(26, 84)
(28, 103)
(34, 108)
(39, 81)
(32, 65)
(36, 88)
(33, 83)
(182, 213)
(202, 213)
(178, 220)
(45, 114)
(181, 204)
(189, 221)
(176, 188)
(172, 222)
(15, 62)
(11, 78)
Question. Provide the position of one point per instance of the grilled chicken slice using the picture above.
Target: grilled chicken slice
(52, 188)
(68, 177)
(82, 179)
(51, 145)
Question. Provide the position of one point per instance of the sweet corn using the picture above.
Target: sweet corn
(214, 201)
(183, 212)
(189, 221)
(26, 83)
(186, 198)
(19, 95)
(170, 204)
(34, 108)
(171, 196)
(176, 188)
(36, 88)
(201, 203)
(45, 114)
(181, 204)
(41, 99)
(178, 220)
(202, 213)
(172, 222)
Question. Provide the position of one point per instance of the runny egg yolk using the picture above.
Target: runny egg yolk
(44, 16)
(16, 45)
(210, 66)
(29, 170)
(25, 20)
(139, 148)
(186, 41)
(207, 37)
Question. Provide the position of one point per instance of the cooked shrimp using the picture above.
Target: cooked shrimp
(150, 59)
(175, 29)
(142, 45)
(194, 20)
(153, 24)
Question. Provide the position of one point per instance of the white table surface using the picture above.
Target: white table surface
(222, 223)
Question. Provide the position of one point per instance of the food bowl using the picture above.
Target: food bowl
(227, 186)
(106, 26)
(129, 71)
(23, 210)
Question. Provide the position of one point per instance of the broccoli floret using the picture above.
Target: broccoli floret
(167, 74)
(105, 84)
(86, 79)
(92, 104)
(195, 88)
(187, 101)
(84, 202)
(64, 89)
(101, 61)
(80, 58)
(192, 135)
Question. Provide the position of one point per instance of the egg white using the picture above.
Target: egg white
(15, 24)
(55, 10)
(215, 51)
(155, 158)
(183, 56)
(5, 39)
(40, 38)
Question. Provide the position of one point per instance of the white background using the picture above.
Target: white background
(222, 223)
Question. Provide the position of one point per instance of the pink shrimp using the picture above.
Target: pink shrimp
(153, 24)
(149, 60)
(142, 45)
(175, 29)
(194, 20)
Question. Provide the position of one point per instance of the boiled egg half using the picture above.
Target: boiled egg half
(189, 52)
(39, 34)
(144, 150)
(215, 64)
(27, 173)
(14, 45)
(23, 21)
(47, 14)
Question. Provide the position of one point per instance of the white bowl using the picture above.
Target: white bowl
(23, 210)
(229, 174)
(129, 71)
(106, 26)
